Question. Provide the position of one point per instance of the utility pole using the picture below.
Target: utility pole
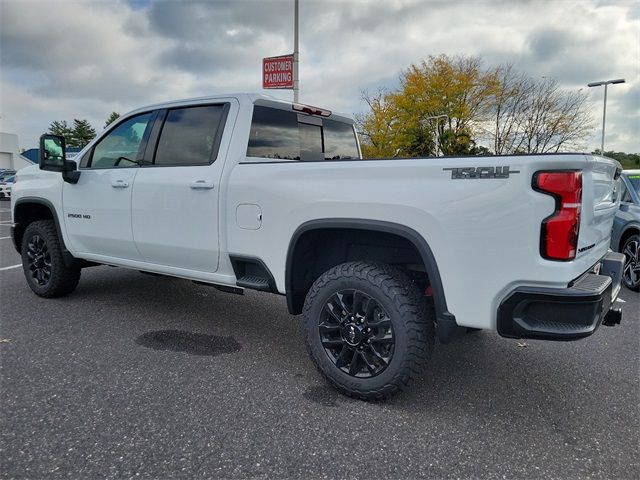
(604, 110)
(296, 53)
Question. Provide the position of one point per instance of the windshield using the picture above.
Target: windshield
(634, 180)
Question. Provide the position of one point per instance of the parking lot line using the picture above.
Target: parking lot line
(10, 267)
(4, 238)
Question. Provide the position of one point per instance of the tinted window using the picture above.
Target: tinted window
(339, 140)
(189, 135)
(121, 146)
(278, 134)
(84, 161)
(310, 141)
(274, 134)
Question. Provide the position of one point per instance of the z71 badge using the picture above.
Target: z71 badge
(466, 173)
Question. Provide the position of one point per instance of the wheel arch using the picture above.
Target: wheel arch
(27, 210)
(631, 229)
(295, 297)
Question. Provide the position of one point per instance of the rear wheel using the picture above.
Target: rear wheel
(43, 264)
(631, 272)
(368, 329)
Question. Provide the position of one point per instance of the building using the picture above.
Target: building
(10, 157)
(33, 154)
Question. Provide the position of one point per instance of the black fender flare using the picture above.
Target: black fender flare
(446, 320)
(69, 259)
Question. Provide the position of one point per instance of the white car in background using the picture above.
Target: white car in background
(5, 187)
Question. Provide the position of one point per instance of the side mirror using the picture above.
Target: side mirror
(52, 153)
(53, 158)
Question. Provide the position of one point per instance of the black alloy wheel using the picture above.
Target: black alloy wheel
(631, 271)
(356, 333)
(39, 259)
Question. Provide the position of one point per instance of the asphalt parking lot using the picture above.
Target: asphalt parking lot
(134, 376)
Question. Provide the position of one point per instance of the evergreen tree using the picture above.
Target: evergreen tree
(62, 129)
(82, 133)
(112, 118)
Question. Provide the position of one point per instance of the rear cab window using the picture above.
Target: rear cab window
(288, 135)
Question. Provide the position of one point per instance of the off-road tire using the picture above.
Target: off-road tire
(412, 318)
(62, 280)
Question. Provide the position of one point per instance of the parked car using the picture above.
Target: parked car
(6, 173)
(5, 187)
(625, 236)
(380, 256)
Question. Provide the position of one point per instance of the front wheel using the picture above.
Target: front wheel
(43, 264)
(368, 329)
(631, 272)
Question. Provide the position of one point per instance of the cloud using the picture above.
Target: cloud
(78, 59)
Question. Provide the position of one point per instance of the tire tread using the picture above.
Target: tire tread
(415, 311)
(64, 280)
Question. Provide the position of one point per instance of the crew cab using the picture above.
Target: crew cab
(380, 256)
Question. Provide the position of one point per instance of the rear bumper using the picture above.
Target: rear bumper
(568, 313)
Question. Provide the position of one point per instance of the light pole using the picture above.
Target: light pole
(437, 119)
(296, 52)
(604, 111)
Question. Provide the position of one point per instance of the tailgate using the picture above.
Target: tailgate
(600, 187)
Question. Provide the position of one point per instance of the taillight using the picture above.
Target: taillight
(559, 235)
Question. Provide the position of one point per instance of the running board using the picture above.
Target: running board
(222, 288)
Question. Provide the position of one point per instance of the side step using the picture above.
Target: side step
(222, 288)
(254, 282)
(253, 273)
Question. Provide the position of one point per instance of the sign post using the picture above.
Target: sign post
(282, 72)
(296, 53)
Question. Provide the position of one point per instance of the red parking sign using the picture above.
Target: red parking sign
(277, 72)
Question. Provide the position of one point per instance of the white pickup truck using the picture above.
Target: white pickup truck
(381, 256)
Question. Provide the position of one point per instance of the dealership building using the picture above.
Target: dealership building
(10, 156)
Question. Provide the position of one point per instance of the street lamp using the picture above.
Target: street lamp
(437, 118)
(604, 113)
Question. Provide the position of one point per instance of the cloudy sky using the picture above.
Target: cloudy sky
(84, 59)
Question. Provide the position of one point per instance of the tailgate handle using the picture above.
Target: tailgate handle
(201, 185)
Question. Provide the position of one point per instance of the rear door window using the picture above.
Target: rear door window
(282, 134)
(190, 136)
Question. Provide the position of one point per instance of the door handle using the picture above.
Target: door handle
(119, 184)
(201, 185)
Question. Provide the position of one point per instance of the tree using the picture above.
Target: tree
(537, 116)
(82, 133)
(62, 129)
(628, 160)
(439, 107)
(377, 126)
(112, 118)
(453, 105)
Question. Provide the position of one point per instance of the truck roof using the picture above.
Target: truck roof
(242, 98)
